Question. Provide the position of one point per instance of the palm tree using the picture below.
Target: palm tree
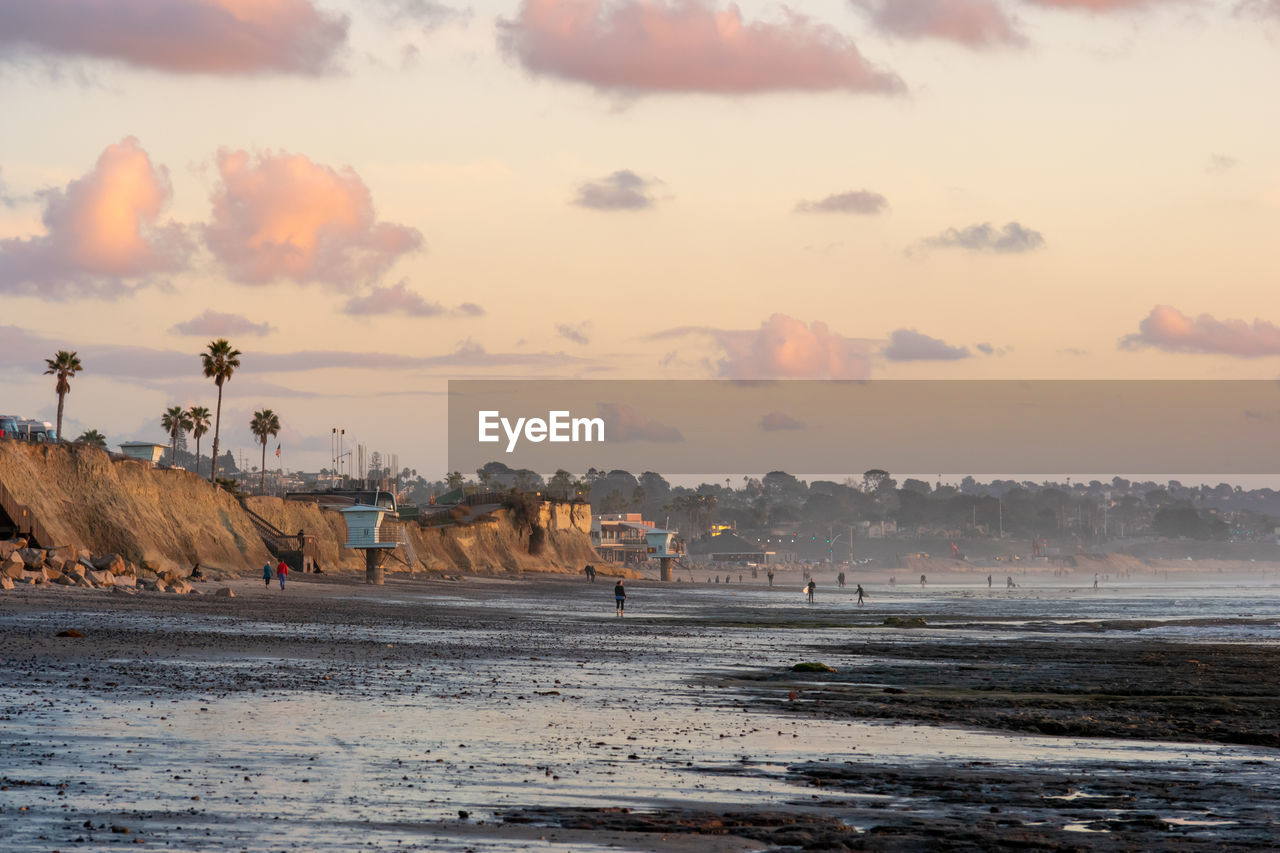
(199, 426)
(64, 365)
(219, 363)
(175, 421)
(93, 438)
(264, 423)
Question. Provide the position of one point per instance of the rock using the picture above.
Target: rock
(102, 579)
(80, 580)
(69, 632)
(55, 563)
(179, 587)
(59, 578)
(225, 592)
(6, 582)
(812, 666)
(33, 557)
(124, 581)
(68, 568)
(66, 553)
(904, 622)
(113, 563)
(8, 546)
(147, 583)
(13, 567)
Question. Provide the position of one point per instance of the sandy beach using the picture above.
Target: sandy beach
(495, 714)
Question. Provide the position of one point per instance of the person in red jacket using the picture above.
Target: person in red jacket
(282, 572)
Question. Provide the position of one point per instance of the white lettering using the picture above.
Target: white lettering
(559, 425)
(536, 430)
(513, 435)
(587, 424)
(488, 423)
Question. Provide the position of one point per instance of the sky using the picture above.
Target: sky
(369, 199)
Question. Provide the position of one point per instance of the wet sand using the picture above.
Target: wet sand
(496, 715)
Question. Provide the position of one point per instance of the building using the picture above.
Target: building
(620, 537)
(143, 450)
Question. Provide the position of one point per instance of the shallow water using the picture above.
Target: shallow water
(545, 700)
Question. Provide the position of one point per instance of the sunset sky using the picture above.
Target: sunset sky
(369, 199)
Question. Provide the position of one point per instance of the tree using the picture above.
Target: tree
(265, 423)
(219, 362)
(93, 438)
(64, 365)
(175, 420)
(454, 480)
(199, 426)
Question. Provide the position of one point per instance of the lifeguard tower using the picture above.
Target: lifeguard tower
(662, 547)
(366, 531)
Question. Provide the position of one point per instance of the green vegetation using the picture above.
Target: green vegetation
(219, 361)
(63, 365)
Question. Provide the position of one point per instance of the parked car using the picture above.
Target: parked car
(39, 431)
(9, 426)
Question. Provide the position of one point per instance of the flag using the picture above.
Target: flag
(277, 451)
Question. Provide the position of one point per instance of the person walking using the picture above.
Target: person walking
(861, 593)
(282, 572)
(840, 579)
(923, 580)
(988, 581)
(771, 577)
(266, 574)
(620, 597)
(811, 587)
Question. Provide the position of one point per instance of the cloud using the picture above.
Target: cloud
(644, 46)
(1012, 239)
(1168, 329)
(178, 36)
(215, 324)
(469, 309)
(972, 23)
(427, 13)
(579, 334)
(624, 423)
(1219, 163)
(783, 348)
(1100, 5)
(623, 190)
(101, 232)
(910, 345)
(775, 421)
(1260, 8)
(856, 201)
(396, 299)
(282, 216)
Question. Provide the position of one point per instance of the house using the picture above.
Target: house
(143, 450)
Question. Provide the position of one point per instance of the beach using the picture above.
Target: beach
(521, 713)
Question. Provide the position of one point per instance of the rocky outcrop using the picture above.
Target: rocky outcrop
(64, 566)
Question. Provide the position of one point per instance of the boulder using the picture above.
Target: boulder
(80, 580)
(124, 581)
(66, 553)
(48, 573)
(8, 546)
(55, 562)
(33, 557)
(225, 592)
(67, 567)
(113, 563)
(12, 567)
(160, 586)
(101, 578)
(6, 582)
(179, 587)
(61, 579)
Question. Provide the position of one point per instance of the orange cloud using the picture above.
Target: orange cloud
(182, 36)
(100, 231)
(1169, 329)
(282, 216)
(784, 348)
(640, 46)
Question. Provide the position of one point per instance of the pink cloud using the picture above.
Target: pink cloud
(283, 216)
(625, 423)
(396, 299)
(1169, 329)
(216, 324)
(1100, 5)
(181, 36)
(784, 348)
(637, 46)
(972, 23)
(100, 231)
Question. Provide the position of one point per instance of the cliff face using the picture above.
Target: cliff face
(173, 519)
